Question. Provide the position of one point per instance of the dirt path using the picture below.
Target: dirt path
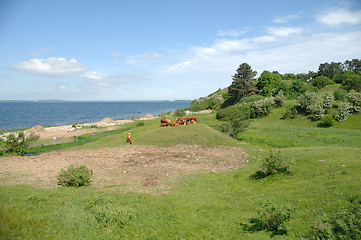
(130, 167)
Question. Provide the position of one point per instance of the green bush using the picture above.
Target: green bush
(75, 176)
(273, 218)
(290, 113)
(15, 144)
(274, 163)
(326, 122)
(339, 94)
(237, 125)
(179, 112)
(344, 224)
(321, 82)
(226, 114)
(140, 124)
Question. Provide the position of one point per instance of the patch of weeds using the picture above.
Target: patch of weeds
(140, 124)
(75, 176)
(272, 218)
(35, 199)
(343, 224)
(108, 213)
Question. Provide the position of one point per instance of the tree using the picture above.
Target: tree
(354, 65)
(330, 70)
(243, 82)
(268, 83)
(352, 81)
(321, 82)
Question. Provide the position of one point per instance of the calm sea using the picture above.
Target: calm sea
(15, 115)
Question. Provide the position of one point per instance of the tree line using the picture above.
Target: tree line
(268, 84)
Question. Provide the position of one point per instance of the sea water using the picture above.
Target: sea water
(14, 115)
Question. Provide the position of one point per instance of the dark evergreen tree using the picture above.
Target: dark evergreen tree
(243, 82)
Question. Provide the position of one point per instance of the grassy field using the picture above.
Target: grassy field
(325, 175)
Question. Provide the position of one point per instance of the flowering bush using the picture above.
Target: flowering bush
(327, 100)
(263, 106)
(343, 111)
(307, 99)
(279, 99)
(355, 100)
(316, 110)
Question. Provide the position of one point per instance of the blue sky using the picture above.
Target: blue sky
(164, 50)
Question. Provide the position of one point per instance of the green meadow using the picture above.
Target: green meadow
(325, 176)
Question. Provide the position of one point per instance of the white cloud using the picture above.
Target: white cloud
(53, 67)
(147, 56)
(116, 54)
(286, 19)
(99, 82)
(264, 39)
(334, 17)
(232, 32)
(208, 68)
(283, 31)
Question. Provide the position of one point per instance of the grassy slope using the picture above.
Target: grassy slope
(205, 206)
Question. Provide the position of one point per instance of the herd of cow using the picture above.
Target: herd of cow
(179, 121)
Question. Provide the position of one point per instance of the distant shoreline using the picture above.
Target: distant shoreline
(52, 101)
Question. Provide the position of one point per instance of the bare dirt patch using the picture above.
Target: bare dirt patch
(130, 167)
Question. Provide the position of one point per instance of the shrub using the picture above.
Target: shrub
(274, 163)
(307, 99)
(140, 124)
(273, 218)
(316, 110)
(327, 100)
(344, 224)
(224, 127)
(290, 113)
(320, 230)
(279, 99)
(228, 113)
(326, 122)
(238, 125)
(343, 111)
(263, 107)
(75, 176)
(15, 144)
(355, 100)
(179, 112)
(322, 81)
(339, 94)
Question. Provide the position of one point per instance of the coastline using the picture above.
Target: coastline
(69, 130)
